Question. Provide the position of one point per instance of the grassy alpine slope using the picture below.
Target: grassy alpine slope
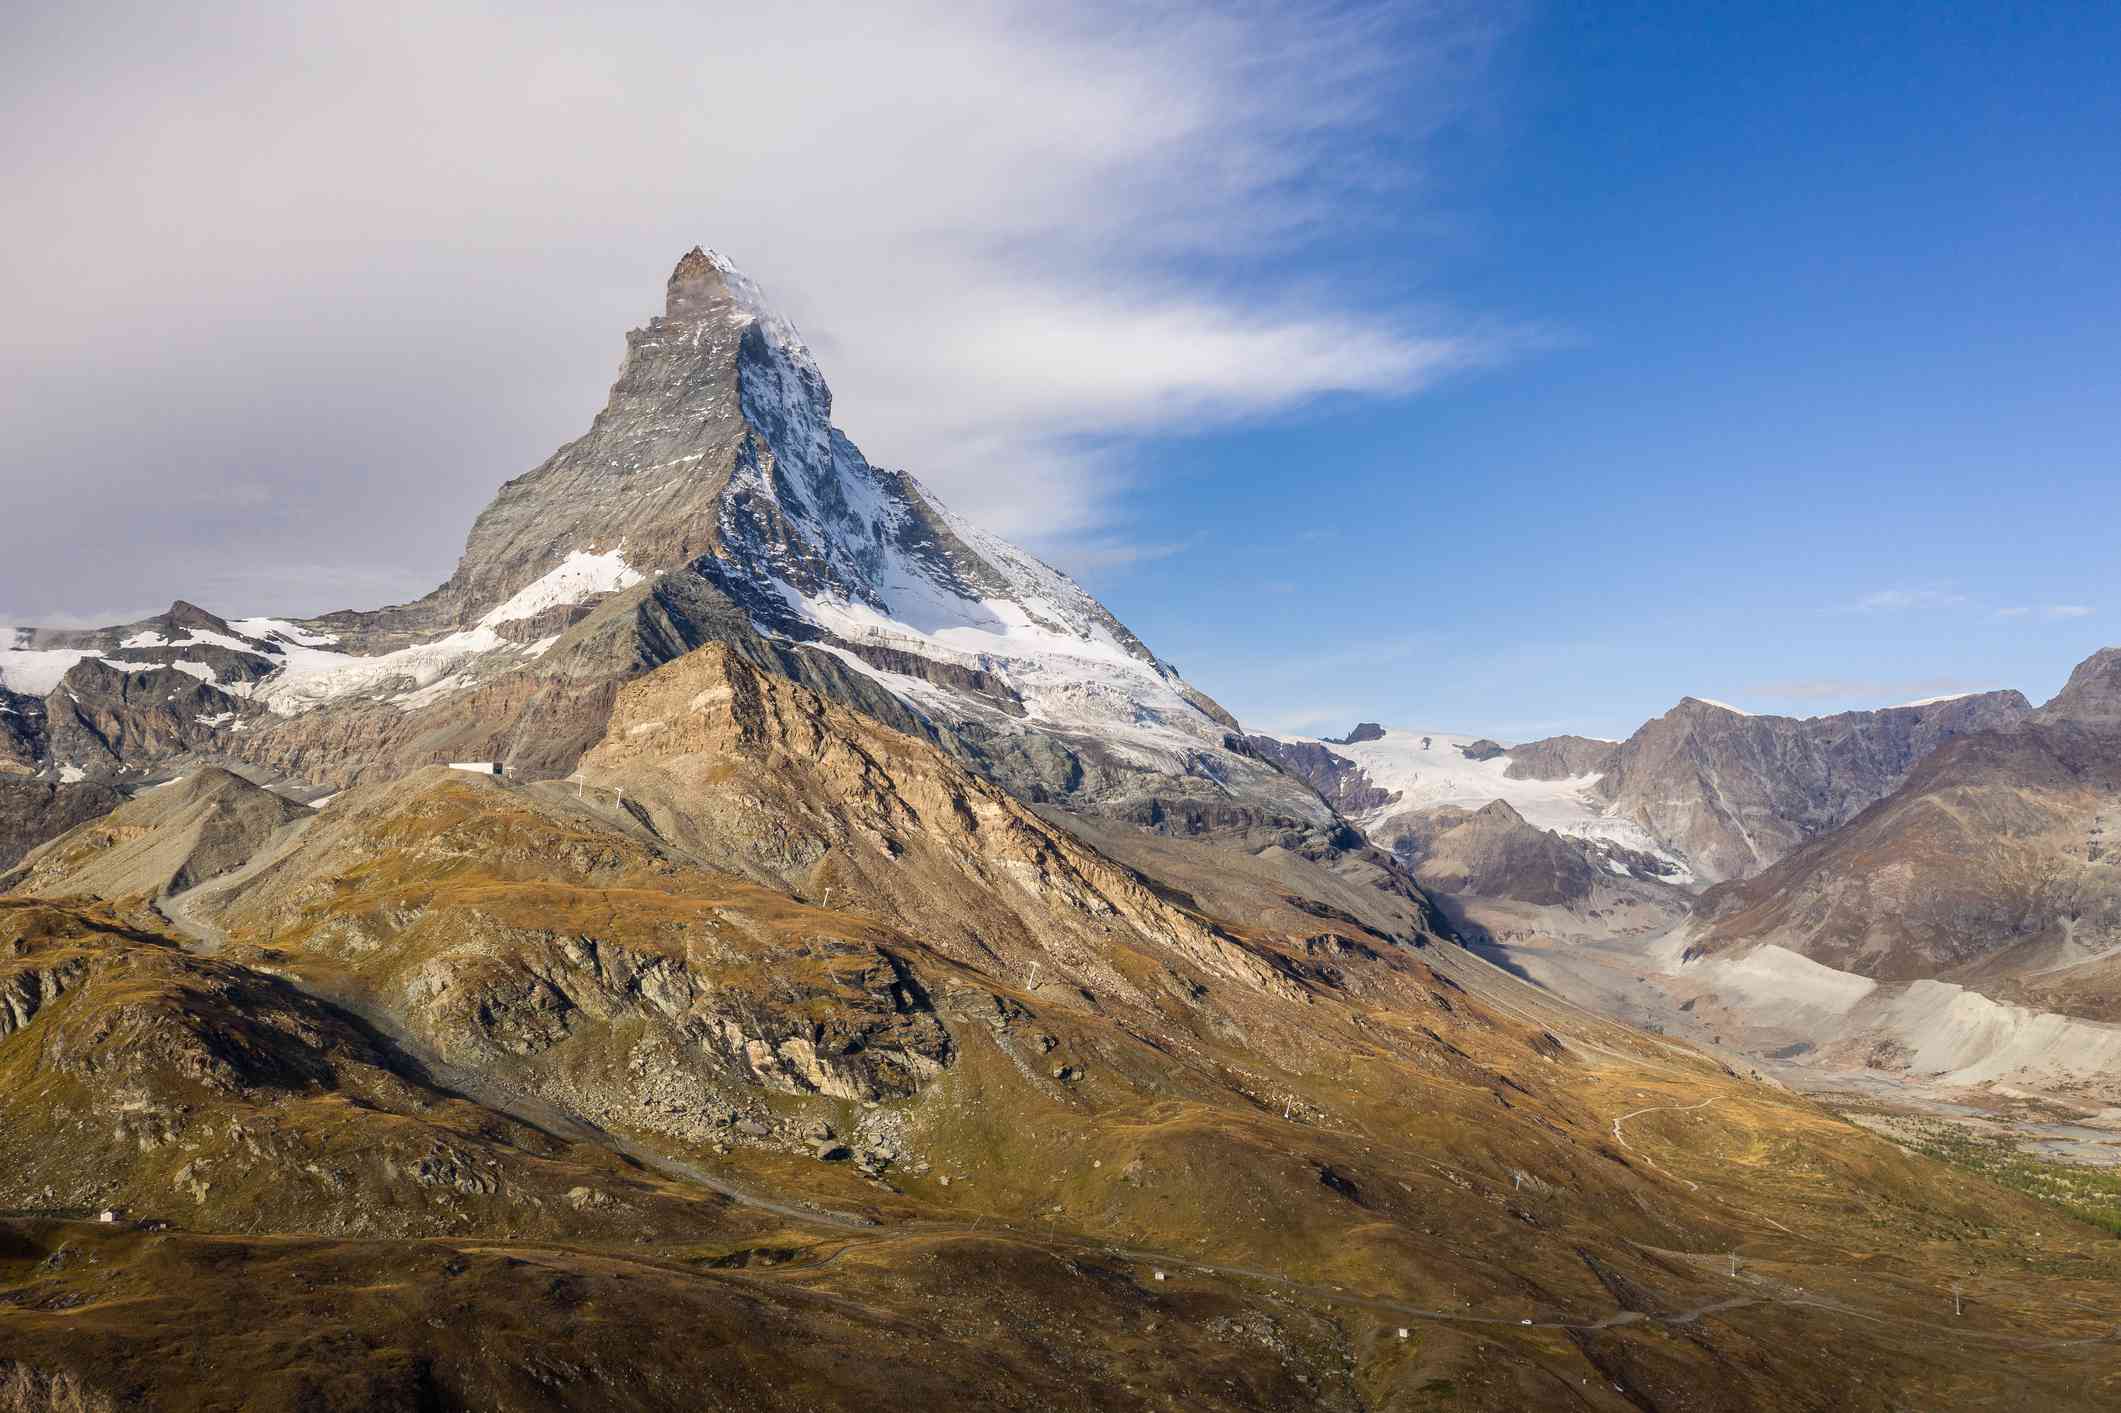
(781, 1063)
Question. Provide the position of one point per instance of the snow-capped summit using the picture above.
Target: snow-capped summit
(713, 498)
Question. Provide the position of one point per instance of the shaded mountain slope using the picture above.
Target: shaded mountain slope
(34, 811)
(162, 841)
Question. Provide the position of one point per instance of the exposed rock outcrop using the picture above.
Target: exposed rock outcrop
(1339, 781)
(1559, 758)
(34, 811)
(1492, 853)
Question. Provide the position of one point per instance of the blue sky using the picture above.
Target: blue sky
(1825, 414)
(1514, 366)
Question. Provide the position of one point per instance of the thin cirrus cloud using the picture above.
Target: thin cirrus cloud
(1907, 600)
(2047, 613)
(372, 257)
(1871, 691)
(1902, 600)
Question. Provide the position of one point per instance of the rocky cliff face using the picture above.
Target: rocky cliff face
(1492, 852)
(2092, 696)
(23, 748)
(34, 811)
(769, 780)
(1734, 793)
(1997, 862)
(1341, 782)
(1559, 758)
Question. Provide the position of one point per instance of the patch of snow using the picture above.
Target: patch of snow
(72, 775)
(1723, 706)
(580, 576)
(149, 639)
(217, 719)
(1935, 701)
(311, 677)
(1442, 775)
(35, 672)
(277, 629)
(199, 670)
(541, 647)
(208, 638)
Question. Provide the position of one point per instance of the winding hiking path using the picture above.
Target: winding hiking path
(1622, 1139)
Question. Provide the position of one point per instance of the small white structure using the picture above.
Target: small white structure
(477, 767)
(110, 1215)
(1159, 1275)
(1402, 1331)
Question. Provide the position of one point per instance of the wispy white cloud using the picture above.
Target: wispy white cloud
(369, 256)
(1902, 599)
(1309, 719)
(1862, 691)
(2051, 613)
(1085, 556)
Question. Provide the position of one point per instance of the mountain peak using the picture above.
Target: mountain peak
(699, 286)
(2093, 692)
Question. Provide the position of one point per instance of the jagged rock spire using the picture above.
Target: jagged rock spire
(698, 286)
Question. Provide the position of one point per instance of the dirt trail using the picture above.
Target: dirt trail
(1622, 1140)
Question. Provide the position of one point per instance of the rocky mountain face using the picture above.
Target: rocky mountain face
(1733, 793)
(1340, 781)
(2092, 696)
(1995, 856)
(22, 733)
(1997, 862)
(161, 841)
(33, 811)
(140, 1076)
(1559, 758)
(1492, 852)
